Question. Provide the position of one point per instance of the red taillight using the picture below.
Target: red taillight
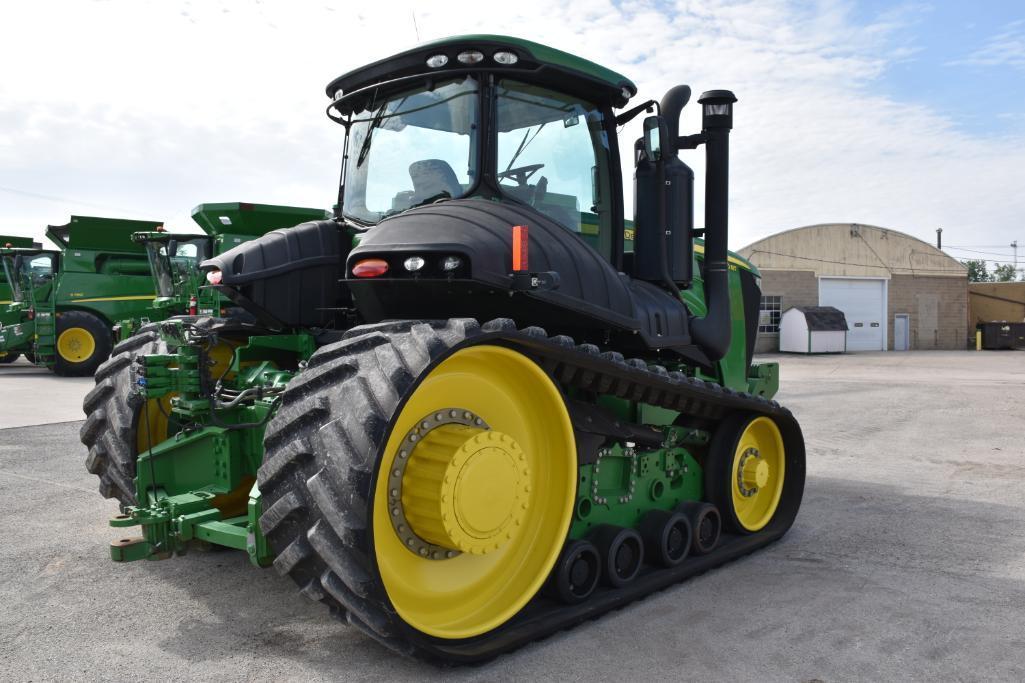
(370, 267)
(214, 277)
(519, 248)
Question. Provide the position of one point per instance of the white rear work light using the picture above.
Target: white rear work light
(450, 263)
(471, 57)
(413, 263)
(506, 58)
(437, 61)
(214, 277)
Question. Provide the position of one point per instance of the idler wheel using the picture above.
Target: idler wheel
(667, 537)
(577, 572)
(706, 525)
(622, 551)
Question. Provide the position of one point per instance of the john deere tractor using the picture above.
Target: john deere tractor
(473, 410)
(175, 257)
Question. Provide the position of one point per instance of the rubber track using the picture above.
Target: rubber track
(322, 448)
(111, 409)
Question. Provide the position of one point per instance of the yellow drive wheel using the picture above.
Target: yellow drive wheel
(152, 427)
(474, 493)
(76, 344)
(754, 461)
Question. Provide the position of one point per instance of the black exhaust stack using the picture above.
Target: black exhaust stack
(712, 332)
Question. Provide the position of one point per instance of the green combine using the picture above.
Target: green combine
(6, 293)
(468, 412)
(175, 257)
(64, 302)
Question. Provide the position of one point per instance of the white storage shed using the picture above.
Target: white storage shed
(813, 329)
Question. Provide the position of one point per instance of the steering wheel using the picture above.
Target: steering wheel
(521, 174)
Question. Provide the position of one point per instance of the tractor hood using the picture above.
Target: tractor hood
(570, 287)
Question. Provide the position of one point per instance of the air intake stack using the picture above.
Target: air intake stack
(712, 332)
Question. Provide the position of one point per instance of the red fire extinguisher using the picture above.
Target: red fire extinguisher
(192, 305)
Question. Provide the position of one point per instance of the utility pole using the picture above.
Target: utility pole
(939, 238)
(1014, 245)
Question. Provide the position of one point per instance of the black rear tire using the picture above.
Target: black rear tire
(103, 342)
(112, 413)
(9, 358)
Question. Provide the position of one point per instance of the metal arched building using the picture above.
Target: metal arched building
(896, 291)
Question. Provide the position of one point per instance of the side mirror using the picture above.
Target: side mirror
(653, 137)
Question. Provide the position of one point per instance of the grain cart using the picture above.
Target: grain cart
(175, 257)
(70, 298)
(10, 241)
(527, 426)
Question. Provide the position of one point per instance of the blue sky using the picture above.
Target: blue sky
(909, 116)
(964, 58)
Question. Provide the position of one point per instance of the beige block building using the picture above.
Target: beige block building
(896, 291)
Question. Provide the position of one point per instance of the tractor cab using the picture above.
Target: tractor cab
(489, 118)
(489, 169)
(29, 273)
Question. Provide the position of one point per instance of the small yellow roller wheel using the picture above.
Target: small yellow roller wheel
(474, 494)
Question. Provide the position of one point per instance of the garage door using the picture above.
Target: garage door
(864, 305)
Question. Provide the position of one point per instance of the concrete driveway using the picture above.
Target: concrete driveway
(906, 562)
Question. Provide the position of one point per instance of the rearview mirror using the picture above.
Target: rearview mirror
(653, 138)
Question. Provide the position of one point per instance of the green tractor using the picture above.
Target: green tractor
(175, 257)
(64, 302)
(468, 412)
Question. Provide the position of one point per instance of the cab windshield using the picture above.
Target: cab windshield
(553, 154)
(27, 273)
(175, 262)
(411, 149)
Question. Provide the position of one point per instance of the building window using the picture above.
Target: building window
(769, 313)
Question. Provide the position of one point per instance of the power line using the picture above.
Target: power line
(66, 200)
(974, 251)
(857, 265)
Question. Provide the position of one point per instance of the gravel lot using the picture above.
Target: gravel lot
(907, 560)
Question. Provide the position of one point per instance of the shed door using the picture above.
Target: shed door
(863, 303)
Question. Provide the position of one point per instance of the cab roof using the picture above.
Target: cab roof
(535, 63)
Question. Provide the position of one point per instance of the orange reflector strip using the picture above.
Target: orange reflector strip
(519, 248)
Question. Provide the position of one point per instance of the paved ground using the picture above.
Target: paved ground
(906, 562)
(30, 395)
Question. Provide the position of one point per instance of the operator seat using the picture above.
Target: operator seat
(431, 177)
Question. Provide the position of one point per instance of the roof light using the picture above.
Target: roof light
(225, 220)
(450, 263)
(507, 58)
(437, 61)
(413, 263)
(627, 94)
(471, 57)
(338, 94)
(214, 277)
(370, 267)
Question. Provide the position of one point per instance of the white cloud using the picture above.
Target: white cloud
(156, 107)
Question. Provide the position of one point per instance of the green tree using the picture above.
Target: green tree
(977, 270)
(1004, 273)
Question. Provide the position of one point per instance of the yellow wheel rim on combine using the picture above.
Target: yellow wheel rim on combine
(759, 465)
(76, 344)
(487, 501)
